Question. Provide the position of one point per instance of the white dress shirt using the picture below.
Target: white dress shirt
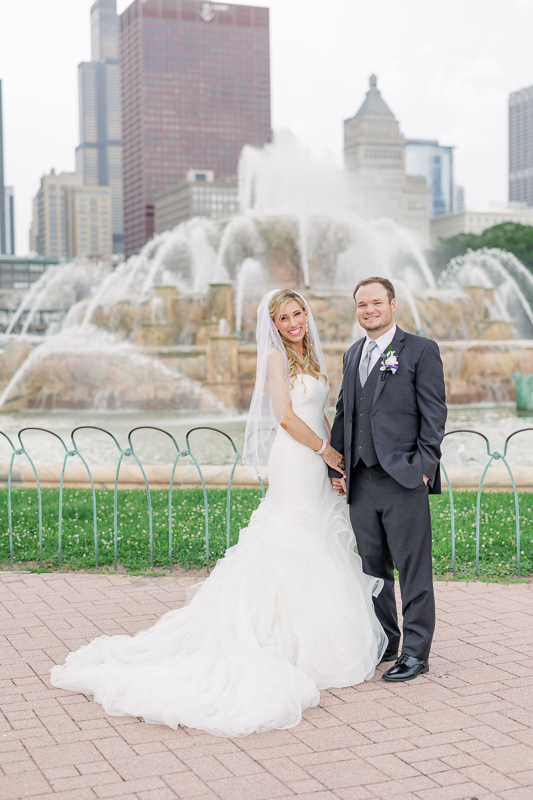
(382, 343)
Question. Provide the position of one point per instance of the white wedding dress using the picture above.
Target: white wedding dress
(288, 611)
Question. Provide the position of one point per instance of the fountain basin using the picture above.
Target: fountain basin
(221, 374)
(218, 476)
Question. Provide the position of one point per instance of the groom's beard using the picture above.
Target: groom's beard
(381, 324)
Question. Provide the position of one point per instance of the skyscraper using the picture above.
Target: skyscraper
(9, 218)
(99, 154)
(521, 146)
(195, 89)
(7, 208)
(434, 162)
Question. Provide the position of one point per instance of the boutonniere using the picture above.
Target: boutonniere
(389, 363)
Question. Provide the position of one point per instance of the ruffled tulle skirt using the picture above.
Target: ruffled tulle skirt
(287, 612)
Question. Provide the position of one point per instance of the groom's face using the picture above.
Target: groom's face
(375, 312)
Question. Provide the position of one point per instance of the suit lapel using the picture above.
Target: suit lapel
(351, 372)
(396, 345)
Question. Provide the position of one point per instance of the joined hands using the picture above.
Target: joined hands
(335, 460)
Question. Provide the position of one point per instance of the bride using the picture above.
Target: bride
(288, 611)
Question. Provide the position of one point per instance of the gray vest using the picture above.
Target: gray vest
(363, 440)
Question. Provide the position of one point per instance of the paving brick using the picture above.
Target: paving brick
(286, 770)
(207, 768)
(69, 754)
(157, 794)
(341, 774)
(489, 778)
(392, 766)
(240, 763)
(361, 793)
(260, 787)
(461, 791)
(331, 738)
(304, 787)
(114, 747)
(143, 766)
(15, 787)
(186, 786)
(120, 789)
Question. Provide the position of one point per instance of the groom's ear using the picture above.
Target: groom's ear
(393, 304)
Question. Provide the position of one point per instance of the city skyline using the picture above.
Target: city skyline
(448, 81)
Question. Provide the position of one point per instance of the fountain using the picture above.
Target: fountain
(148, 334)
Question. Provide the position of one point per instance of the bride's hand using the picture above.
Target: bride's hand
(333, 459)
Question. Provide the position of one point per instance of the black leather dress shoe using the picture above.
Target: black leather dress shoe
(389, 656)
(406, 669)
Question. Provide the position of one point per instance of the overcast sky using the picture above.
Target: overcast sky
(444, 68)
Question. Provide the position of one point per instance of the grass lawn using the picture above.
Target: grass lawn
(497, 548)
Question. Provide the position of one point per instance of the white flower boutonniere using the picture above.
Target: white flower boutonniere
(389, 362)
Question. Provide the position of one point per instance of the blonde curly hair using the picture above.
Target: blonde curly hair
(308, 364)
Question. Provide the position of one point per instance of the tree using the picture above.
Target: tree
(510, 236)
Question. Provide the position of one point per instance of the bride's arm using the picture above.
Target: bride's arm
(287, 418)
(298, 429)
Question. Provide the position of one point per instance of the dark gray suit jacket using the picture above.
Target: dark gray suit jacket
(408, 412)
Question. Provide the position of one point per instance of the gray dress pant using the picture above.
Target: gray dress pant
(392, 527)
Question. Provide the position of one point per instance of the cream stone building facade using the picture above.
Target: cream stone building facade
(70, 219)
(477, 221)
(201, 195)
(374, 156)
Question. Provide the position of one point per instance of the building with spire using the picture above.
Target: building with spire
(374, 156)
(99, 154)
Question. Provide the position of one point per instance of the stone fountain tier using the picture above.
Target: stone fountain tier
(167, 317)
(119, 377)
(180, 353)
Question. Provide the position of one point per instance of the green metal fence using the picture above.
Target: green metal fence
(72, 451)
(492, 456)
(128, 452)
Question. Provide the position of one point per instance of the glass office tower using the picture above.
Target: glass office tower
(521, 146)
(432, 161)
(99, 155)
(195, 90)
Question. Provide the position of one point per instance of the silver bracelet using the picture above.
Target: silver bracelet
(324, 445)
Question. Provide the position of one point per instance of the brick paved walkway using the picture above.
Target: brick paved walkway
(464, 731)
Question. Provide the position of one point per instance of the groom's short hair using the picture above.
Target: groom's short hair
(384, 282)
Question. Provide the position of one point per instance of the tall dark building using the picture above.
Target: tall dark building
(7, 208)
(195, 90)
(521, 146)
(99, 154)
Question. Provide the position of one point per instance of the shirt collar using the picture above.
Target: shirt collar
(382, 341)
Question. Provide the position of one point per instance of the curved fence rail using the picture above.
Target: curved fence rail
(72, 451)
(492, 456)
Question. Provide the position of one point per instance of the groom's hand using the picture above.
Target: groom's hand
(339, 484)
(425, 479)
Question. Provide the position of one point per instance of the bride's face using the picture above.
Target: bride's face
(291, 322)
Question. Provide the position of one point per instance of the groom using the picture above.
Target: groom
(389, 425)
